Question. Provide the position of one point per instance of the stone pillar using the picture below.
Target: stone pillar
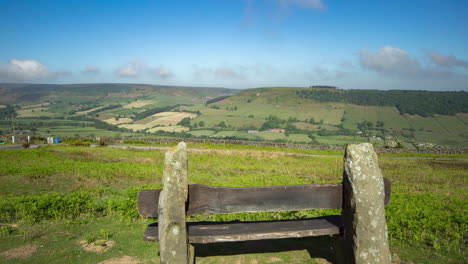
(365, 229)
(173, 240)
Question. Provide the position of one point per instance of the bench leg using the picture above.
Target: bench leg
(191, 254)
(338, 249)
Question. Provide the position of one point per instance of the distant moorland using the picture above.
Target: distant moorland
(316, 115)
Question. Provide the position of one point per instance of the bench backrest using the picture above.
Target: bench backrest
(204, 199)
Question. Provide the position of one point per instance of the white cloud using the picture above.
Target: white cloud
(394, 61)
(390, 60)
(17, 70)
(446, 61)
(131, 69)
(161, 72)
(91, 70)
(312, 4)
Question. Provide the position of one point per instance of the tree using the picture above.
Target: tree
(222, 124)
(201, 124)
(184, 122)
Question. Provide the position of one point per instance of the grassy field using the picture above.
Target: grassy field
(54, 198)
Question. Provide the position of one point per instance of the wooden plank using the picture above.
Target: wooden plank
(212, 232)
(219, 200)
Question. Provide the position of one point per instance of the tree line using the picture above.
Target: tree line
(424, 103)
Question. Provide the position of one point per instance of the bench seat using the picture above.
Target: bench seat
(212, 232)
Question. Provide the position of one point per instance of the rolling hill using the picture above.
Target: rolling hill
(318, 115)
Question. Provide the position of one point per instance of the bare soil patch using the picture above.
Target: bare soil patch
(23, 252)
(98, 246)
(121, 260)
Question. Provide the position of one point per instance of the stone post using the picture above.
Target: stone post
(365, 229)
(173, 240)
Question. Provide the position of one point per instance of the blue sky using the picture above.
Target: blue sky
(418, 44)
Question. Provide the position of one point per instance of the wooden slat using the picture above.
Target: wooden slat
(219, 200)
(203, 232)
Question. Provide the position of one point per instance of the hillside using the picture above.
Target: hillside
(410, 119)
(339, 118)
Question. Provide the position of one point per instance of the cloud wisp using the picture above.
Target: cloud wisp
(447, 61)
(18, 70)
(161, 72)
(311, 4)
(91, 70)
(132, 69)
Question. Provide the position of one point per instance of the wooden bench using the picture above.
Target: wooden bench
(178, 200)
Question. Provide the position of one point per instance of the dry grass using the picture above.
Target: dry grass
(2, 106)
(137, 104)
(34, 105)
(112, 121)
(23, 252)
(134, 127)
(162, 119)
(99, 246)
(90, 110)
(169, 129)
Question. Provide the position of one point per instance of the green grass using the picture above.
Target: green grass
(54, 183)
(203, 132)
(389, 115)
(56, 196)
(340, 140)
(452, 124)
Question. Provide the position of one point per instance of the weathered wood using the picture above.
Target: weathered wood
(212, 232)
(365, 229)
(173, 247)
(219, 200)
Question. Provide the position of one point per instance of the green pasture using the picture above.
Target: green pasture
(35, 112)
(203, 132)
(452, 124)
(389, 115)
(56, 196)
(340, 140)
(70, 131)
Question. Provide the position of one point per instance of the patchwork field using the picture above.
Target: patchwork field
(90, 110)
(169, 119)
(34, 112)
(165, 119)
(169, 129)
(122, 120)
(35, 105)
(138, 104)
